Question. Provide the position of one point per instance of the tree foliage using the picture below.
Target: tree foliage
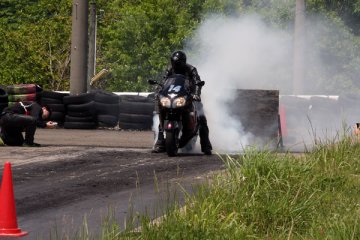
(140, 36)
(35, 43)
(135, 38)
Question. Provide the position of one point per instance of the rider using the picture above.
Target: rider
(179, 66)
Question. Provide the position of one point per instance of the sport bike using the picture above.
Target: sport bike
(179, 116)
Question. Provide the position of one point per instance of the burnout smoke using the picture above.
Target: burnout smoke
(237, 53)
(246, 52)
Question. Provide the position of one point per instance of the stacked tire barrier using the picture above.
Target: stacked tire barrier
(258, 113)
(87, 110)
(55, 101)
(80, 111)
(3, 98)
(107, 108)
(26, 93)
(136, 112)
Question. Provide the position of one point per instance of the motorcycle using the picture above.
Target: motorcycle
(180, 118)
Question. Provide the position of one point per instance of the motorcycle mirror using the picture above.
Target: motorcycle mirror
(152, 82)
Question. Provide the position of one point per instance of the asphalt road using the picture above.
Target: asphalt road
(79, 174)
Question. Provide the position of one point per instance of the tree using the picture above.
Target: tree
(35, 45)
(139, 38)
(135, 38)
(332, 49)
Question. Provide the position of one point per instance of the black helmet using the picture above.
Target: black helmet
(178, 59)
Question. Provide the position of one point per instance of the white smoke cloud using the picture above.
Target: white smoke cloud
(237, 53)
(243, 52)
(247, 53)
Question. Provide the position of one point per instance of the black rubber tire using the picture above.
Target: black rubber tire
(106, 97)
(107, 108)
(57, 107)
(80, 125)
(134, 98)
(134, 126)
(38, 88)
(3, 95)
(84, 107)
(80, 114)
(57, 116)
(79, 99)
(3, 106)
(171, 144)
(79, 119)
(142, 108)
(45, 100)
(107, 120)
(53, 95)
(135, 118)
(21, 89)
(4, 98)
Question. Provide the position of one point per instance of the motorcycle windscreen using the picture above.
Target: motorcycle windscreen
(177, 84)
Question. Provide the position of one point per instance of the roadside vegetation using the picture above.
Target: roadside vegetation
(264, 195)
(136, 37)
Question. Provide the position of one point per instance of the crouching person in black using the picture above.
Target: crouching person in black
(23, 118)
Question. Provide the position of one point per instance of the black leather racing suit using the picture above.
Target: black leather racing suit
(19, 118)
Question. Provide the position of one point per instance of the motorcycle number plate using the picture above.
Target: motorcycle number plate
(174, 88)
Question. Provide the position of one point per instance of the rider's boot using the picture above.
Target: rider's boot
(205, 143)
(160, 143)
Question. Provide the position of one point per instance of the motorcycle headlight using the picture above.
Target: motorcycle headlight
(179, 102)
(165, 102)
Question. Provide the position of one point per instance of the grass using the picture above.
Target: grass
(264, 195)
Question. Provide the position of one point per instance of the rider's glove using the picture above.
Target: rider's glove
(196, 98)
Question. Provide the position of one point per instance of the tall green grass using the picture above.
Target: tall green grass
(264, 195)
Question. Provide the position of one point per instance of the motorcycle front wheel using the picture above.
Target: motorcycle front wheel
(172, 143)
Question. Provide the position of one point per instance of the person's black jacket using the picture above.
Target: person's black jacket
(33, 109)
(190, 72)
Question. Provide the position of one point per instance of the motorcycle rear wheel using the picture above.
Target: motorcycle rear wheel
(171, 143)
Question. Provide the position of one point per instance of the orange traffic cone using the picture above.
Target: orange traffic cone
(8, 221)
